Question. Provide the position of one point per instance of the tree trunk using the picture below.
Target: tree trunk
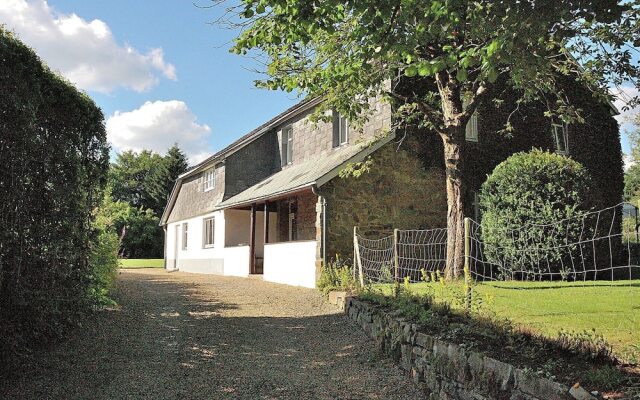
(455, 202)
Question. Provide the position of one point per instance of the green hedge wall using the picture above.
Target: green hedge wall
(53, 163)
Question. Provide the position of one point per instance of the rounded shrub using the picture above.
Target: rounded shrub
(532, 206)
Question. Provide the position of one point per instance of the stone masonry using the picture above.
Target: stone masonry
(445, 370)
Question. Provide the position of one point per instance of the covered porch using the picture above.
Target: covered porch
(278, 238)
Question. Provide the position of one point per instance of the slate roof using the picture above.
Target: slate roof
(316, 171)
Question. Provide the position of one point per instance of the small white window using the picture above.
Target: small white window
(185, 228)
(340, 129)
(471, 130)
(560, 139)
(208, 234)
(287, 146)
(209, 179)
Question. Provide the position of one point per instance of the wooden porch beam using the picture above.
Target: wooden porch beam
(252, 241)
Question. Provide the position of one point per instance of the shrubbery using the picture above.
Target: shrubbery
(524, 202)
(54, 158)
(337, 275)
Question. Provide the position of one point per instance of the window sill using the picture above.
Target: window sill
(209, 246)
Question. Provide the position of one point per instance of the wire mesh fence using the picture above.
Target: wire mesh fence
(594, 246)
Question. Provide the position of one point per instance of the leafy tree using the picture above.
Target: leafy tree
(173, 164)
(632, 175)
(351, 51)
(137, 229)
(131, 177)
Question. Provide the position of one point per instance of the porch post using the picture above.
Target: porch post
(252, 240)
(266, 222)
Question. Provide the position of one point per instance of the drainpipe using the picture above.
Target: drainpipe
(323, 201)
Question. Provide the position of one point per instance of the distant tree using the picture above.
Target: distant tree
(139, 235)
(173, 164)
(131, 177)
(351, 51)
(632, 175)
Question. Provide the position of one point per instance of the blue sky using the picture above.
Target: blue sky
(215, 85)
(160, 71)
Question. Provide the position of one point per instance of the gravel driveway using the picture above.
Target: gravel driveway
(187, 336)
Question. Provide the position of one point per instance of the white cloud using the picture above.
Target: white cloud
(157, 126)
(85, 52)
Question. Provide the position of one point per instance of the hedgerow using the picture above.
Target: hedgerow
(53, 163)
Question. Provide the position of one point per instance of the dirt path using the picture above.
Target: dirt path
(184, 336)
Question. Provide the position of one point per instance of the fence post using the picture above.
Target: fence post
(396, 261)
(356, 249)
(467, 262)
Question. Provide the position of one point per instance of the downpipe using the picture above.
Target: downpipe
(323, 202)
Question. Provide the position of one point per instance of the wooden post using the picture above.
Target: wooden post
(266, 222)
(467, 262)
(252, 240)
(357, 251)
(396, 259)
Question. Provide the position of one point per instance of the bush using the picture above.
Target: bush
(531, 204)
(54, 156)
(336, 275)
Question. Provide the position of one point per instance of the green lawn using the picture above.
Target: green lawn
(611, 308)
(141, 263)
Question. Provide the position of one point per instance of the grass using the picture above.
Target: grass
(141, 263)
(612, 309)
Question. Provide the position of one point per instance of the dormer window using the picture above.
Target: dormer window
(340, 130)
(560, 138)
(287, 146)
(209, 178)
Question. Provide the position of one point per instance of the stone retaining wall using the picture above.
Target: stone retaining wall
(445, 370)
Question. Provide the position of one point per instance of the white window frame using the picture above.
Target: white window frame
(209, 179)
(286, 150)
(343, 129)
(185, 235)
(471, 130)
(560, 136)
(208, 233)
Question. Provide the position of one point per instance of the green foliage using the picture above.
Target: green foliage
(523, 200)
(587, 343)
(140, 187)
(131, 177)
(345, 50)
(137, 228)
(336, 275)
(103, 264)
(54, 156)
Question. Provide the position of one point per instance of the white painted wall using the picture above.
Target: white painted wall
(238, 223)
(292, 263)
(195, 248)
(236, 261)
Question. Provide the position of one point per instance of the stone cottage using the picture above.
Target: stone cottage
(274, 204)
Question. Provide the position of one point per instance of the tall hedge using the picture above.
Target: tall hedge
(532, 207)
(53, 163)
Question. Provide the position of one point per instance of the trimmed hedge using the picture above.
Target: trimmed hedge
(523, 201)
(54, 157)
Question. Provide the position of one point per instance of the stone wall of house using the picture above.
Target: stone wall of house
(397, 192)
(193, 201)
(305, 205)
(313, 140)
(445, 370)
